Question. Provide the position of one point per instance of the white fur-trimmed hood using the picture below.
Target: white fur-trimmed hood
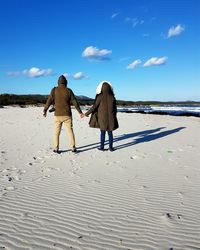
(99, 87)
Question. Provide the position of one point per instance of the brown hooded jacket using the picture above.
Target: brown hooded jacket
(62, 98)
(104, 110)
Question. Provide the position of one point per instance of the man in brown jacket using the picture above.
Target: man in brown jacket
(62, 98)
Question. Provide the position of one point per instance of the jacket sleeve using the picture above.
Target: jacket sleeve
(94, 107)
(115, 106)
(75, 102)
(50, 100)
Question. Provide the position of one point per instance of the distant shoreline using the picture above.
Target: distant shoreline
(13, 99)
(172, 110)
(185, 113)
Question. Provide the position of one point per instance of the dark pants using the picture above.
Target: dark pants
(110, 137)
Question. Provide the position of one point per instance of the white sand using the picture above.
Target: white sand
(143, 196)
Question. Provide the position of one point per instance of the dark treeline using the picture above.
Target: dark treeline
(11, 99)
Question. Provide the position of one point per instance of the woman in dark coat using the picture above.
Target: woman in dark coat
(104, 113)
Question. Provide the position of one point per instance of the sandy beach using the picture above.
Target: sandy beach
(143, 196)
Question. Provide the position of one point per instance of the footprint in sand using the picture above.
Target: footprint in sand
(10, 174)
(93, 181)
(37, 160)
(45, 170)
(116, 162)
(16, 178)
(108, 163)
(180, 194)
(3, 156)
(168, 218)
(9, 188)
(75, 170)
(134, 157)
(179, 216)
(21, 172)
(72, 173)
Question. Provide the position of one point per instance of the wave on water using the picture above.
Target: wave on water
(163, 110)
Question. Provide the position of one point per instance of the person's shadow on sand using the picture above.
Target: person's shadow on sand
(142, 136)
(147, 136)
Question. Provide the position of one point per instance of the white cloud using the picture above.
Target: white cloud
(134, 21)
(114, 15)
(13, 73)
(155, 61)
(66, 75)
(134, 64)
(36, 72)
(79, 76)
(175, 31)
(96, 54)
(76, 76)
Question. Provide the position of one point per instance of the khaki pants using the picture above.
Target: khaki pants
(58, 121)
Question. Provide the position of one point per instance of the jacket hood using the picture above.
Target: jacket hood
(62, 81)
(105, 88)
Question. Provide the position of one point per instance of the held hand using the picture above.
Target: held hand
(82, 115)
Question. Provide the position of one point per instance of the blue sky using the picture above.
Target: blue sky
(148, 49)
